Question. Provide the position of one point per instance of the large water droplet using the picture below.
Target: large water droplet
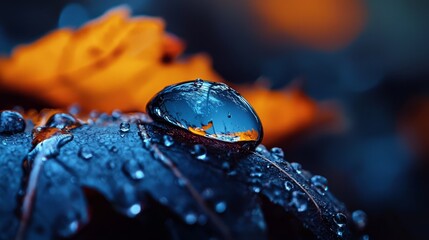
(133, 170)
(134, 209)
(320, 183)
(199, 151)
(61, 120)
(299, 201)
(11, 122)
(360, 219)
(220, 207)
(168, 140)
(202, 108)
(340, 219)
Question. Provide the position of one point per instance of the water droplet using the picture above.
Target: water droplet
(262, 150)
(340, 219)
(288, 185)
(199, 151)
(134, 209)
(365, 237)
(297, 167)
(340, 232)
(11, 122)
(202, 108)
(256, 189)
(229, 115)
(133, 170)
(256, 174)
(190, 218)
(116, 114)
(320, 183)
(299, 201)
(85, 153)
(360, 219)
(114, 149)
(220, 207)
(124, 127)
(168, 140)
(277, 153)
(198, 83)
(61, 120)
(67, 224)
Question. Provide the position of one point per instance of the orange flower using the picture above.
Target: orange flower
(118, 62)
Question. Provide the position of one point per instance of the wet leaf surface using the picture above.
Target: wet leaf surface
(108, 183)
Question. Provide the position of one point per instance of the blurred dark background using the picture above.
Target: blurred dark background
(371, 57)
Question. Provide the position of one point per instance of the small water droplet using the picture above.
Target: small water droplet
(220, 207)
(111, 165)
(256, 189)
(202, 219)
(199, 151)
(262, 150)
(277, 153)
(208, 193)
(61, 120)
(116, 114)
(124, 127)
(133, 170)
(340, 219)
(256, 174)
(168, 140)
(297, 167)
(67, 224)
(340, 232)
(320, 183)
(360, 219)
(198, 83)
(134, 210)
(299, 201)
(114, 149)
(288, 185)
(229, 115)
(11, 122)
(191, 218)
(182, 182)
(85, 153)
(365, 237)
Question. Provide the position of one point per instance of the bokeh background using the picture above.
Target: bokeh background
(370, 59)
